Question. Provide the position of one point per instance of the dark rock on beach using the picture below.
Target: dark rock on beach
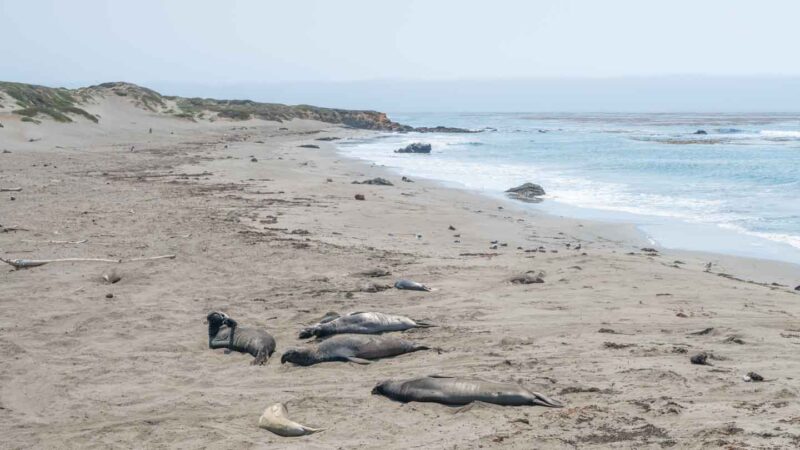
(376, 181)
(308, 146)
(701, 132)
(416, 147)
(528, 192)
(360, 197)
(530, 277)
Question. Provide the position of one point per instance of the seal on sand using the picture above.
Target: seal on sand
(361, 323)
(411, 285)
(224, 332)
(461, 391)
(276, 419)
(356, 348)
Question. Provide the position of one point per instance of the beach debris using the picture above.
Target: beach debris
(331, 138)
(797, 288)
(411, 285)
(82, 241)
(28, 263)
(12, 198)
(700, 359)
(276, 419)
(370, 286)
(529, 277)
(733, 340)
(376, 181)
(253, 159)
(702, 332)
(451, 228)
(375, 273)
(109, 295)
(708, 267)
(752, 376)
(111, 276)
(360, 197)
(407, 180)
(527, 192)
(14, 189)
(417, 147)
(700, 132)
(616, 345)
(606, 330)
(308, 146)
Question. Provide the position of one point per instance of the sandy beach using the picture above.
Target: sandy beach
(271, 234)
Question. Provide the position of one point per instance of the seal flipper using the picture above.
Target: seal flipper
(261, 358)
(353, 359)
(541, 400)
(423, 324)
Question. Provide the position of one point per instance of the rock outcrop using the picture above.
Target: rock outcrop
(416, 147)
(528, 192)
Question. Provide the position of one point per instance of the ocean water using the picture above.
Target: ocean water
(735, 189)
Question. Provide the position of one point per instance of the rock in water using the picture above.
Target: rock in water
(701, 132)
(528, 192)
(416, 147)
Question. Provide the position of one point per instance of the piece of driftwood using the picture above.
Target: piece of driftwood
(17, 189)
(28, 263)
(82, 241)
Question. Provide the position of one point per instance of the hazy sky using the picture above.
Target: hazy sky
(227, 42)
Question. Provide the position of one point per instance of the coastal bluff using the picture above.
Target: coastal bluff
(34, 104)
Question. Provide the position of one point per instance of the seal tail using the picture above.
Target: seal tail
(423, 324)
(310, 430)
(541, 400)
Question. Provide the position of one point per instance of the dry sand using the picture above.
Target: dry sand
(273, 243)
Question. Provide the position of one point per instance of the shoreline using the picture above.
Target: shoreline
(261, 234)
(624, 229)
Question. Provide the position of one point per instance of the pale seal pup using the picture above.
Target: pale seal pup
(224, 332)
(411, 285)
(361, 323)
(275, 419)
(461, 391)
(356, 348)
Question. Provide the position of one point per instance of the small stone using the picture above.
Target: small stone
(253, 159)
(752, 376)
(360, 197)
(109, 295)
(700, 359)
(451, 228)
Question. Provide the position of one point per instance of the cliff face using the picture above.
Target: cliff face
(64, 105)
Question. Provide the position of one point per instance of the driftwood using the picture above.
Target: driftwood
(17, 189)
(82, 241)
(28, 263)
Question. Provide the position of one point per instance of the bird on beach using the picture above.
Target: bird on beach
(708, 266)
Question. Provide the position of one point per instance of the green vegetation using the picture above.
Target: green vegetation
(145, 98)
(53, 102)
(30, 119)
(60, 103)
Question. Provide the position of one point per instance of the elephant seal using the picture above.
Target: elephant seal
(356, 348)
(361, 323)
(461, 391)
(276, 419)
(224, 332)
(411, 285)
